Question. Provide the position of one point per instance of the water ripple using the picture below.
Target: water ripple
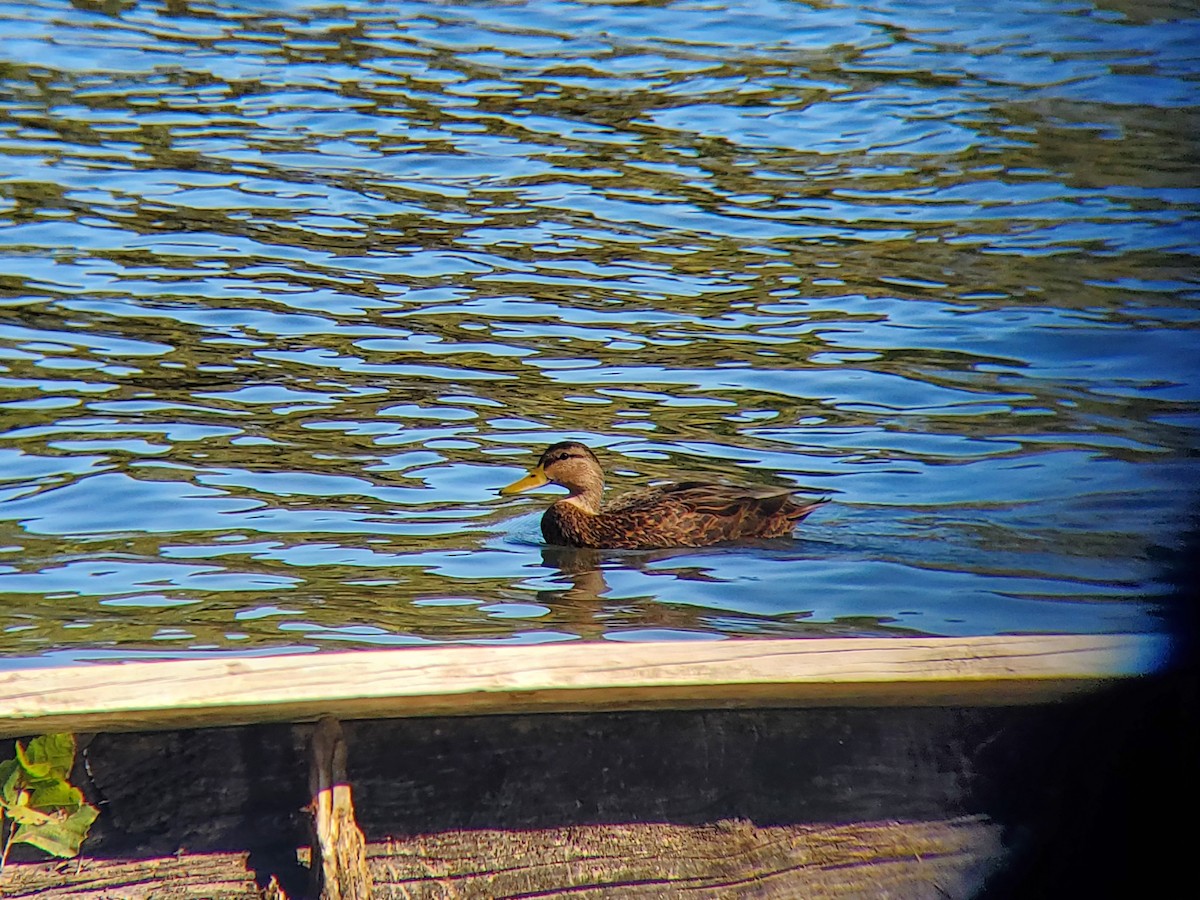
(287, 290)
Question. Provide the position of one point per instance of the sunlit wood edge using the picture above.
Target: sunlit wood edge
(600, 676)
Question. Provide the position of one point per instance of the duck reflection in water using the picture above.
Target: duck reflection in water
(581, 597)
(582, 603)
(581, 567)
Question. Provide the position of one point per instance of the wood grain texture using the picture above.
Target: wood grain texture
(213, 788)
(338, 847)
(210, 876)
(596, 676)
(730, 859)
(906, 861)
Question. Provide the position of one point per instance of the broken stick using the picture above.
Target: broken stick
(339, 862)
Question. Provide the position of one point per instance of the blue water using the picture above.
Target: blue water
(288, 290)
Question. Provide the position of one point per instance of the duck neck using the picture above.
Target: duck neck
(586, 496)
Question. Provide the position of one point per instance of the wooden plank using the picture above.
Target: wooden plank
(212, 787)
(730, 859)
(599, 676)
(183, 876)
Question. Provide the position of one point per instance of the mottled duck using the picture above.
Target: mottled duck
(690, 514)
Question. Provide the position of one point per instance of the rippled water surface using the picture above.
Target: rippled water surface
(288, 290)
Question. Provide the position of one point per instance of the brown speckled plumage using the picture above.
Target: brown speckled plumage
(691, 514)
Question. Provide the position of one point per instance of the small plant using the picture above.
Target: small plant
(38, 805)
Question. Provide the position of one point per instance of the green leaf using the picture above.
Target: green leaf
(49, 796)
(10, 781)
(47, 811)
(28, 816)
(62, 835)
(54, 751)
(33, 768)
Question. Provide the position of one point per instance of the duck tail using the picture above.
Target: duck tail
(796, 512)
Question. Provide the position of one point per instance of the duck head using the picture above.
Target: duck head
(569, 464)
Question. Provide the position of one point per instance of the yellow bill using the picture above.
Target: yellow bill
(535, 479)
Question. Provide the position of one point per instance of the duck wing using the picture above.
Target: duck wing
(703, 506)
(724, 501)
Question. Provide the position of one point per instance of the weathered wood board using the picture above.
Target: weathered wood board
(212, 788)
(747, 768)
(906, 861)
(568, 677)
(181, 876)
